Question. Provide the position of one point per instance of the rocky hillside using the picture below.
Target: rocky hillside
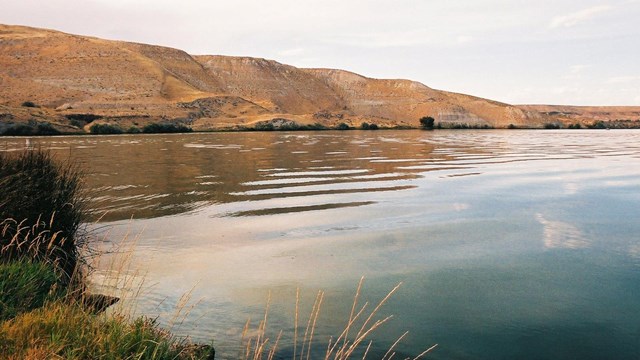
(74, 81)
(612, 116)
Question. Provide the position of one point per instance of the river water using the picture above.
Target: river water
(509, 244)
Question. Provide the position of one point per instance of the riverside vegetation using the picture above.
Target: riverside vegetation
(47, 310)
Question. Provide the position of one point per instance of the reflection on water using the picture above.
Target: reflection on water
(510, 244)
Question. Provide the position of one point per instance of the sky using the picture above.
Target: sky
(571, 52)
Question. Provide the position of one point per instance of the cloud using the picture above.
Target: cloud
(463, 39)
(576, 69)
(558, 234)
(623, 79)
(384, 39)
(576, 72)
(573, 19)
(291, 52)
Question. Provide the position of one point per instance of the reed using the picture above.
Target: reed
(42, 208)
(354, 340)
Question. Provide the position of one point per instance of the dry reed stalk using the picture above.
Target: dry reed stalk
(425, 352)
(295, 324)
(389, 352)
(315, 310)
(313, 327)
(342, 347)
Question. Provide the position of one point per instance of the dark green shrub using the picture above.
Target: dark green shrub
(105, 129)
(31, 130)
(19, 130)
(364, 126)
(427, 122)
(316, 126)
(598, 125)
(342, 126)
(165, 128)
(373, 127)
(26, 285)
(46, 129)
(41, 209)
(511, 126)
(29, 104)
(552, 126)
(134, 130)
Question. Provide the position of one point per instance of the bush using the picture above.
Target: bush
(104, 129)
(364, 126)
(134, 130)
(427, 122)
(373, 127)
(598, 125)
(31, 130)
(19, 130)
(41, 209)
(46, 129)
(552, 126)
(30, 104)
(342, 126)
(165, 128)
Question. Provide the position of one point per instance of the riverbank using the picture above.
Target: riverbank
(46, 307)
(42, 128)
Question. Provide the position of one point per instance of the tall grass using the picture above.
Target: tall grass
(63, 330)
(46, 311)
(353, 341)
(42, 208)
(26, 285)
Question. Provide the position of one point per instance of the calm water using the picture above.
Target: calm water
(509, 244)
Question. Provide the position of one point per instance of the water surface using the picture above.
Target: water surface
(509, 244)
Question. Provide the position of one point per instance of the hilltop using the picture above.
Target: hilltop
(72, 81)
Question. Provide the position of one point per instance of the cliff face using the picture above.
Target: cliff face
(66, 75)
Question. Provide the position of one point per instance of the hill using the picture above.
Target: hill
(73, 81)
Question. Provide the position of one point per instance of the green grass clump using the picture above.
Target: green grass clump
(26, 285)
(62, 330)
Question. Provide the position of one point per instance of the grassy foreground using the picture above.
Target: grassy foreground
(46, 310)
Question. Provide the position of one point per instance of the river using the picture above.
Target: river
(509, 244)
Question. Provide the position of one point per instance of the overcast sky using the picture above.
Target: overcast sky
(579, 52)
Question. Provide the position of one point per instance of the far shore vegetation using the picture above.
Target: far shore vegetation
(80, 124)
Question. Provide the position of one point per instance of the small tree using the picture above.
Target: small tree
(427, 122)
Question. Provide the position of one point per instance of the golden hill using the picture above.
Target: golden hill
(76, 77)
